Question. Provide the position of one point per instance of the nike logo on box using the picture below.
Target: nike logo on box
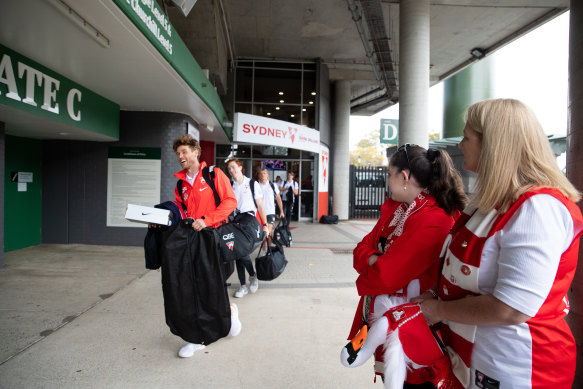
(144, 214)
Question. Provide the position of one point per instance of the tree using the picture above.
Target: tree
(369, 151)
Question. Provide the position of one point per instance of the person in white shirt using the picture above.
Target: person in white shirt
(287, 188)
(270, 196)
(246, 213)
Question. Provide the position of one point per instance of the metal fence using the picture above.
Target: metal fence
(368, 191)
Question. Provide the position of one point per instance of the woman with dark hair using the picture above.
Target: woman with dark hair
(399, 259)
(510, 258)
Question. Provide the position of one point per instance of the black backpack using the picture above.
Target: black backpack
(209, 176)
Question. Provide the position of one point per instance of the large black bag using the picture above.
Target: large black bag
(196, 303)
(329, 219)
(240, 237)
(271, 265)
(283, 234)
(152, 248)
(152, 241)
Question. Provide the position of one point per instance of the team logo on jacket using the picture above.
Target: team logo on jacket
(184, 194)
(397, 315)
(230, 245)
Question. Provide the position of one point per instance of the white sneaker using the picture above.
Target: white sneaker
(253, 284)
(243, 290)
(189, 349)
(235, 322)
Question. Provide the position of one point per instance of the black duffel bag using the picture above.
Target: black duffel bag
(329, 219)
(240, 237)
(283, 234)
(272, 264)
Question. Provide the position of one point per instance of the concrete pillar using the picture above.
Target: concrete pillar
(574, 172)
(414, 72)
(340, 156)
(467, 87)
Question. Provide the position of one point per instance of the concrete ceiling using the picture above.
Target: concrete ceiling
(131, 73)
(309, 29)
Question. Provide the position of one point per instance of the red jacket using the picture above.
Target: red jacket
(413, 255)
(200, 200)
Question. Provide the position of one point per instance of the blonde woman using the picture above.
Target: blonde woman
(510, 258)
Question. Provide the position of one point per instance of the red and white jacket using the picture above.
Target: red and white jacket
(199, 198)
(413, 255)
(525, 257)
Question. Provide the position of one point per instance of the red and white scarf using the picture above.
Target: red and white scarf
(394, 229)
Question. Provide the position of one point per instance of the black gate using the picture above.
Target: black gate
(368, 191)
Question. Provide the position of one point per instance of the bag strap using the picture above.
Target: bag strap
(268, 248)
(209, 176)
(179, 184)
(252, 187)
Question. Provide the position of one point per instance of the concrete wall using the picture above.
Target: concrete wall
(75, 180)
(204, 34)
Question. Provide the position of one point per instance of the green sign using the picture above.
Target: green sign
(135, 152)
(154, 24)
(390, 131)
(31, 87)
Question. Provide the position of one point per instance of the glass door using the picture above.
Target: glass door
(306, 198)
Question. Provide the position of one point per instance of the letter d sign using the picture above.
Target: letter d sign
(390, 131)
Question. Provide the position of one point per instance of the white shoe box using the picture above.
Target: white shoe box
(141, 214)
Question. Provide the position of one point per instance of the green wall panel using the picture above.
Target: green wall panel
(22, 210)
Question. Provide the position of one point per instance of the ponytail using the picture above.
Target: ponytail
(446, 183)
(433, 169)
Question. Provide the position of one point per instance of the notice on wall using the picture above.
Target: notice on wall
(133, 177)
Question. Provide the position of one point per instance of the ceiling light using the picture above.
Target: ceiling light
(313, 93)
(281, 101)
(277, 108)
(478, 53)
(268, 113)
(281, 93)
(310, 102)
(303, 109)
(292, 115)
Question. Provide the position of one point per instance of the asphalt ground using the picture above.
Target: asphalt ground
(81, 316)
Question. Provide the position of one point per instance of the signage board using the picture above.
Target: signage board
(28, 86)
(133, 177)
(261, 130)
(390, 131)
